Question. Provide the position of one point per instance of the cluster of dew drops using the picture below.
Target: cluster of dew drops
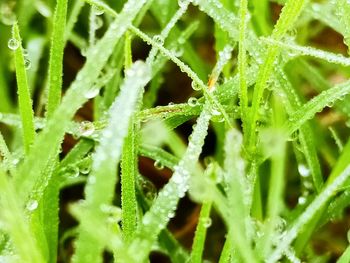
(14, 44)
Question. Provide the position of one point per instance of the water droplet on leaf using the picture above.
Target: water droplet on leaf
(158, 165)
(301, 200)
(207, 222)
(13, 44)
(192, 102)
(32, 205)
(158, 39)
(98, 10)
(86, 128)
(27, 63)
(303, 170)
(91, 93)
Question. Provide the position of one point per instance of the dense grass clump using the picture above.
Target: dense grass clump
(174, 131)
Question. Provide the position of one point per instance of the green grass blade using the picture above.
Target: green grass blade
(56, 57)
(288, 16)
(24, 99)
(307, 141)
(200, 234)
(345, 257)
(226, 251)
(309, 51)
(316, 104)
(129, 172)
(16, 223)
(100, 186)
(164, 206)
(242, 62)
(239, 195)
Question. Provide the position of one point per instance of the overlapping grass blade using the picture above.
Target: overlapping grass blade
(316, 104)
(47, 144)
(288, 16)
(163, 208)
(99, 190)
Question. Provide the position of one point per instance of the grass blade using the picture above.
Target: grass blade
(200, 234)
(99, 190)
(164, 206)
(16, 223)
(288, 16)
(24, 99)
(309, 214)
(316, 104)
(56, 57)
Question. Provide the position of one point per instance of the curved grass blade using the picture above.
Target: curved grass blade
(316, 104)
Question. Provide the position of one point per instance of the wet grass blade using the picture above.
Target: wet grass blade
(99, 190)
(24, 99)
(56, 57)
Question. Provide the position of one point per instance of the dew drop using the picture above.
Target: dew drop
(183, 3)
(84, 51)
(158, 165)
(98, 10)
(15, 161)
(25, 52)
(303, 170)
(301, 200)
(148, 189)
(85, 170)
(32, 205)
(86, 128)
(158, 39)
(98, 22)
(171, 214)
(27, 63)
(208, 160)
(192, 102)
(207, 222)
(13, 44)
(195, 86)
(308, 185)
(91, 93)
(73, 172)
